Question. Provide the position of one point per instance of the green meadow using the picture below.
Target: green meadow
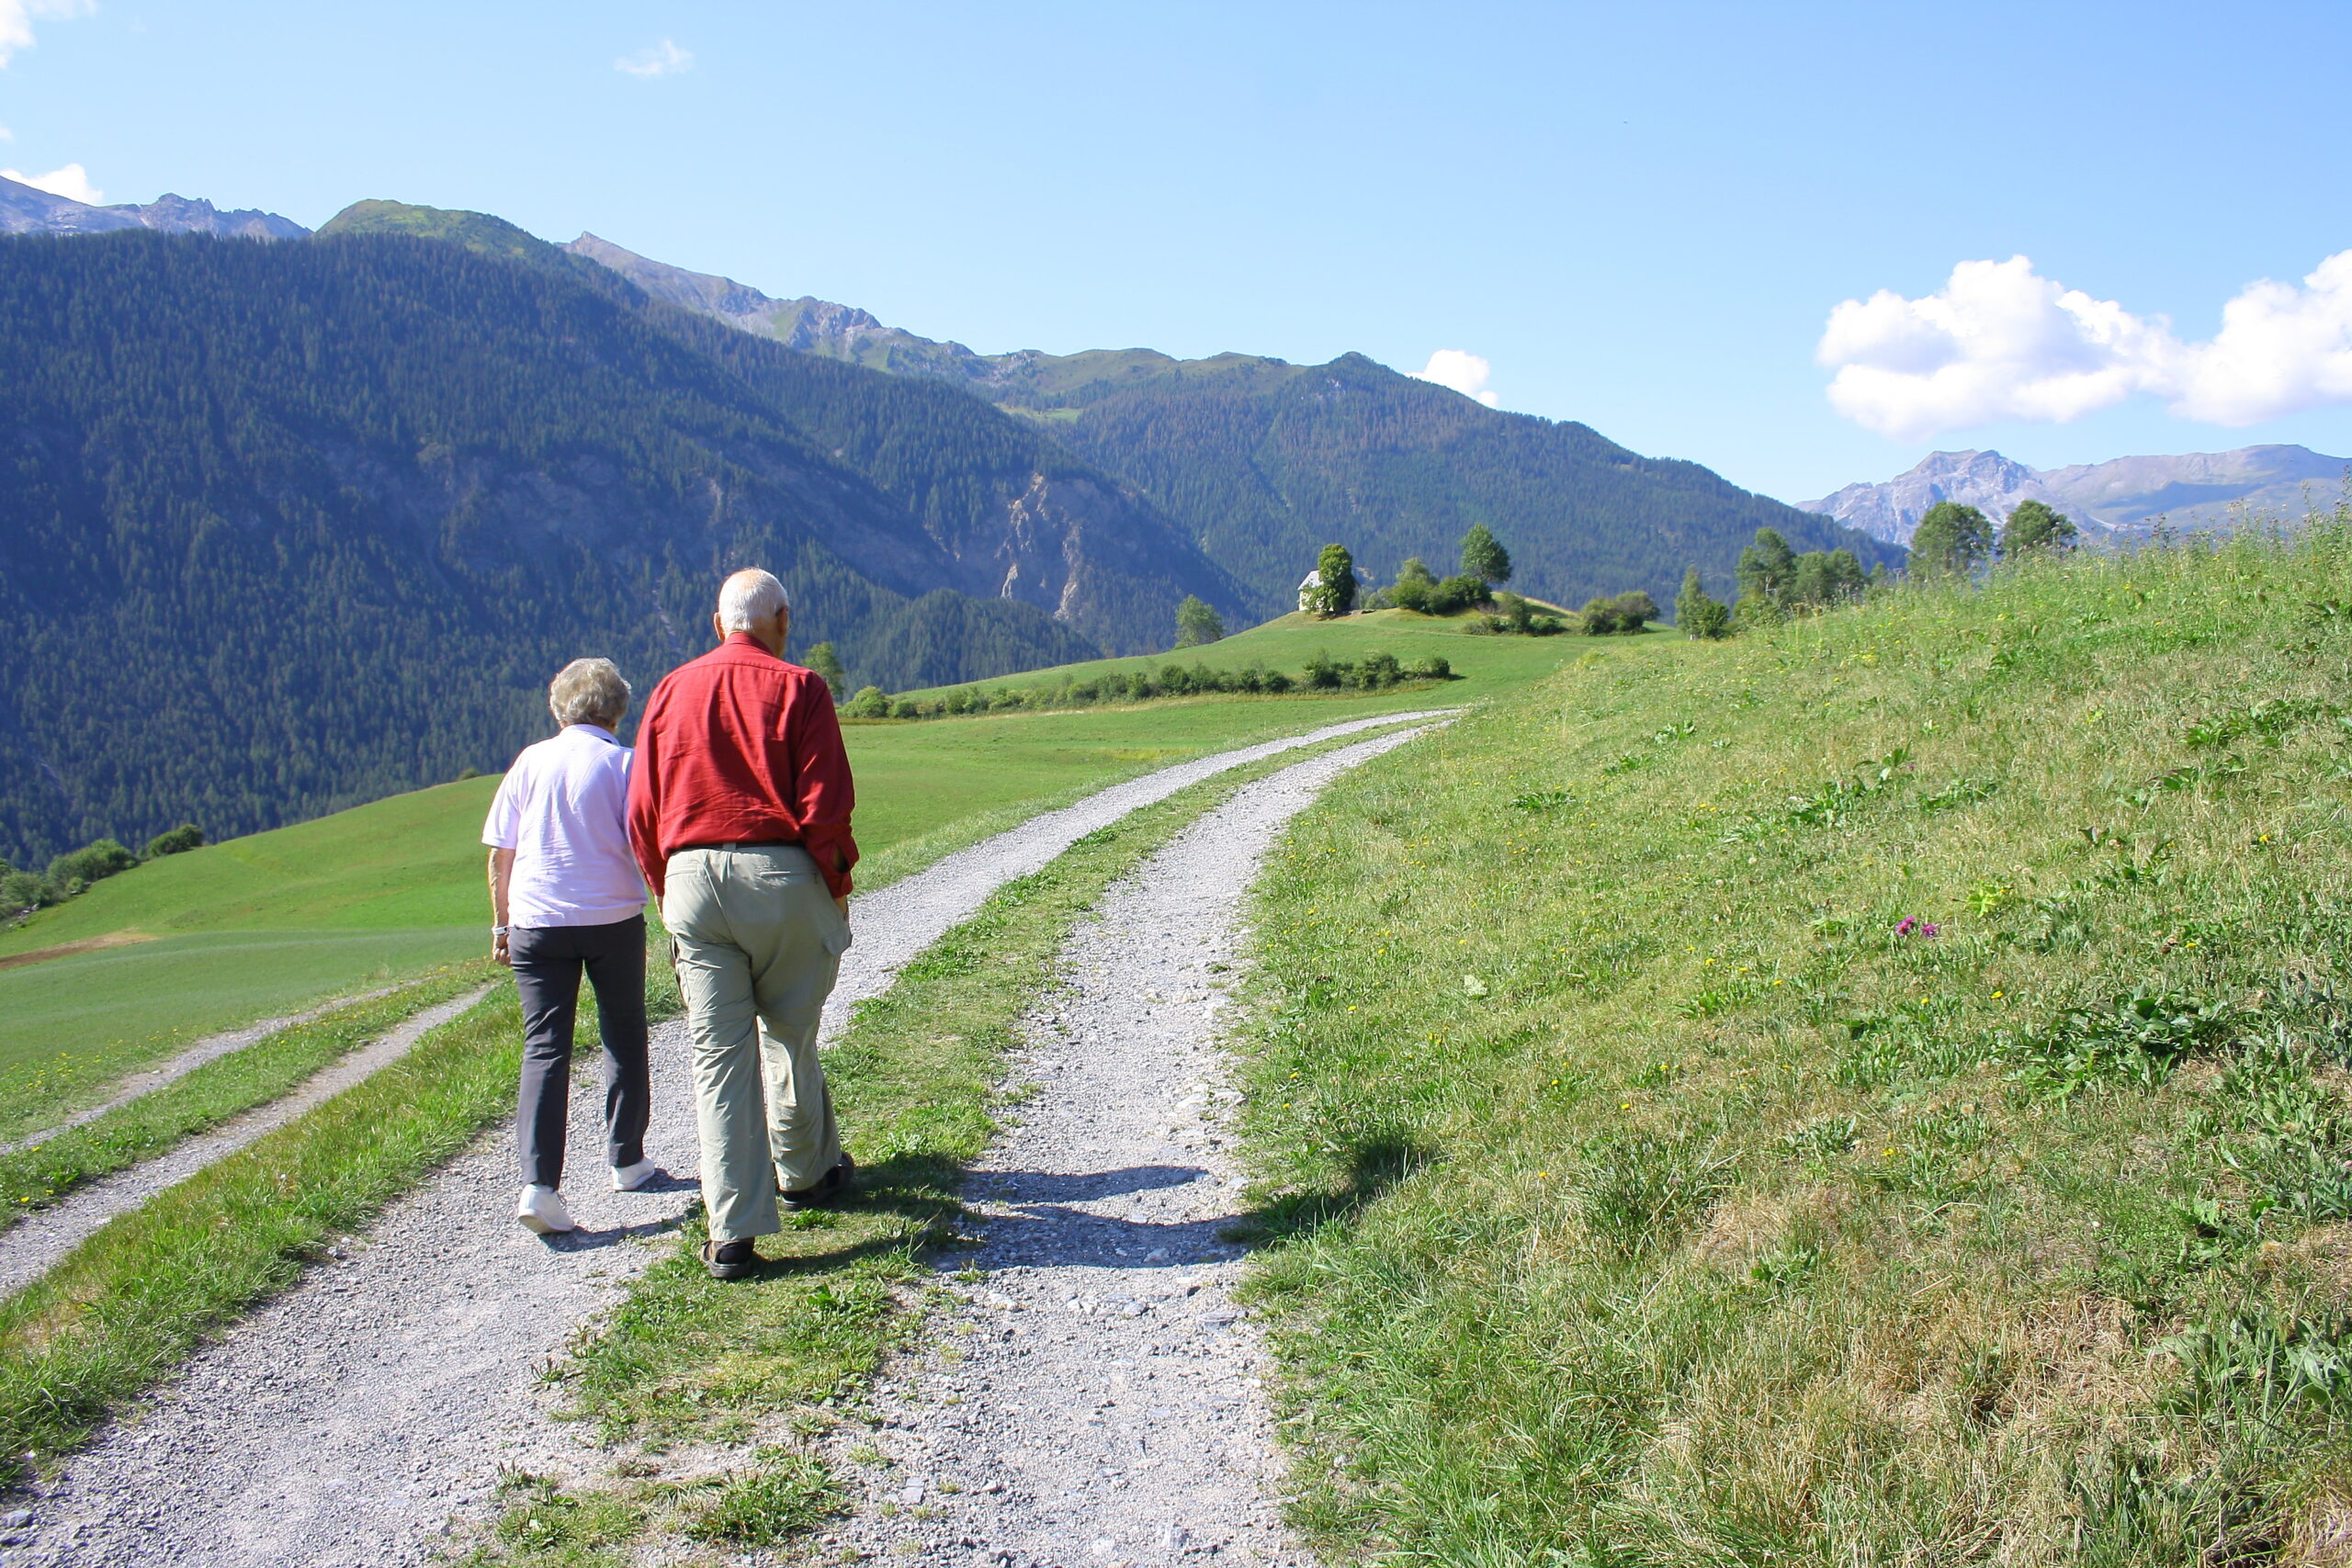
(1871, 1092)
(1483, 664)
(263, 925)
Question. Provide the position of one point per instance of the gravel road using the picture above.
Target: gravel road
(32, 1245)
(345, 1421)
(1097, 1401)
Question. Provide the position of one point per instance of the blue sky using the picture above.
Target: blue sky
(1640, 217)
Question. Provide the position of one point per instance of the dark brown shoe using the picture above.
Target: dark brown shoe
(729, 1259)
(830, 1188)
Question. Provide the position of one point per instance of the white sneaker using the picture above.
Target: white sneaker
(629, 1178)
(542, 1210)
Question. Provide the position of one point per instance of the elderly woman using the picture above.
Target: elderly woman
(565, 894)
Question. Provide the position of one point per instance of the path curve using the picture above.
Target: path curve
(344, 1421)
(32, 1245)
(900, 921)
(1106, 1407)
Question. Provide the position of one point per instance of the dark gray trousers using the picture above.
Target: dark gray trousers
(548, 964)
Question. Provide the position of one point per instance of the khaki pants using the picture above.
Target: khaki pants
(758, 944)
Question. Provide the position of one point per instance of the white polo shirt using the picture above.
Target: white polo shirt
(563, 809)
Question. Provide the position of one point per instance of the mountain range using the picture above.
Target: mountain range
(343, 500)
(2125, 498)
(1266, 461)
(25, 209)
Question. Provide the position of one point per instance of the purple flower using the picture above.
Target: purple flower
(1914, 926)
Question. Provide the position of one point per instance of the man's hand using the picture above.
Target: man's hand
(843, 904)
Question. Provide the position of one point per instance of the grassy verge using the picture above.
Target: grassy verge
(38, 1177)
(688, 1368)
(1872, 1092)
(74, 1026)
(123, 1309)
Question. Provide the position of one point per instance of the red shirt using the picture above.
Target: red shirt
(740, 746)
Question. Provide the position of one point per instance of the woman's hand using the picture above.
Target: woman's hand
(498, 949)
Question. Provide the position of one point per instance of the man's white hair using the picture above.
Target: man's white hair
(749, 597)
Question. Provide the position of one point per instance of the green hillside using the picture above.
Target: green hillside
(1903, 1119)
(269, 922)
(360, 495)
(1483, 664)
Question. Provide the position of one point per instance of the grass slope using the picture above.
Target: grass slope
(1487, 664)
(1901, 1118)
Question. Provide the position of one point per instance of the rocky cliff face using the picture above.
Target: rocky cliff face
(192, 215)
(2126, 496)
(25, 210)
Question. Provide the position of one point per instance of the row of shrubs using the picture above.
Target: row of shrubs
(22, 892)
(1373, 672)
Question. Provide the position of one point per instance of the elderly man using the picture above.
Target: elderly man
(564, 896)
(739, 810)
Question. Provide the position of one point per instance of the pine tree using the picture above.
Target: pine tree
(1483, 556)
(1413, 586)
(1335, 592)
(828, 666)
(1950, 539)
(1767, 571)
(1699, 613)
(2034, 526)
(1197, 623)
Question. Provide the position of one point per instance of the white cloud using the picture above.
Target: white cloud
(71, 182)
(17, 18)
(1466, 373)
(2000, 341)
(665, 59)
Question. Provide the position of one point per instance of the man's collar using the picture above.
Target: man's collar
(745, 639)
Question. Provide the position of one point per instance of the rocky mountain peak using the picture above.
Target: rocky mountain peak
(26, 210)
(2125, 496)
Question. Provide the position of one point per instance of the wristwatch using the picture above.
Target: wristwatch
(498, 931)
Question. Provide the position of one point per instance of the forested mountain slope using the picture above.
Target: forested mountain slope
(286, 527)
(1265, 461)
(1018, 514)
(1268, 461)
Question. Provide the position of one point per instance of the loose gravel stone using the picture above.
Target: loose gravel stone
(1099, 1398)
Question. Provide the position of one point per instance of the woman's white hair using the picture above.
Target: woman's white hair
(750, 597)
(589, 691)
